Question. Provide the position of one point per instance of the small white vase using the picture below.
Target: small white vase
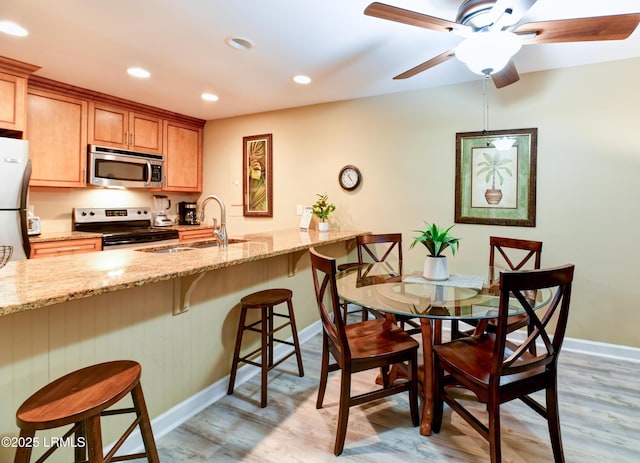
(323, 226)
(436, 268)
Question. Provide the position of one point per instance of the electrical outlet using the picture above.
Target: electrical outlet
(299, 209)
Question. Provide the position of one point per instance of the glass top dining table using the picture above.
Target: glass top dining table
(380, 287)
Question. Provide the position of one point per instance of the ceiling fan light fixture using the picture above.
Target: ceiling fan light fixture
(488, 52)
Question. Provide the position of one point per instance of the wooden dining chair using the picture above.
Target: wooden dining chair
(512, 254)
(374, 248)
(377, 343)
(498, 369)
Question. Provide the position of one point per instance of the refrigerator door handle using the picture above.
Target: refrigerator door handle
(24, 227)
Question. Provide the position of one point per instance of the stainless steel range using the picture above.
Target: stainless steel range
(124, 227)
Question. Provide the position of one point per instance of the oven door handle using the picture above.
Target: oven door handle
(148, 173)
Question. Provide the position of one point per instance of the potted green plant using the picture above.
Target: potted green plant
(322, 209)
(436, 239)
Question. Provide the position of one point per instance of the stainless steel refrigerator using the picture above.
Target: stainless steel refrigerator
(15, 172)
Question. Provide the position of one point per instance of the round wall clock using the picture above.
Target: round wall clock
(349, 177)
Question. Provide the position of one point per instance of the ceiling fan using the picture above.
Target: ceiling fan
(493, 33)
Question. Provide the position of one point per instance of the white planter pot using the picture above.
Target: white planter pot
(436, 268)
(323, 226)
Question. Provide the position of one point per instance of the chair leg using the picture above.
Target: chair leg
(345, 310)
(265, 356)
(553, 419)
(94, 439)
(23, 452)
(145, 425)
(236, 350)
(455, 330)
(80, 452)
(438, 404)
(343, 411)
(494, 431)
(413, 390)
(296, 342)
(324, 370)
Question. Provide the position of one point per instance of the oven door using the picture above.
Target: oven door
(124, 171)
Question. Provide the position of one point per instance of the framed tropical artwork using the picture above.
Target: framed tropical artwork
(496, 177)
(257, 175)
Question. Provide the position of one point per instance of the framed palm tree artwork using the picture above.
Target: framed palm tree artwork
(496, 177)
(257, 175)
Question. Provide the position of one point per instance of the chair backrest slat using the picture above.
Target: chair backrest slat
(380, 247)
(515, 260)
(324, 272)
(519, 285)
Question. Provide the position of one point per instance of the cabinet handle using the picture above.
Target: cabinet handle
(132, 139)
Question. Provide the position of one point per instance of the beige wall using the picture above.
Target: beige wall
(404, 144)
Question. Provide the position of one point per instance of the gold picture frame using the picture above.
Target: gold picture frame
(257, 175)
(496, 177)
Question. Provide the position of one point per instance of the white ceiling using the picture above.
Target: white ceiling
(90, 43)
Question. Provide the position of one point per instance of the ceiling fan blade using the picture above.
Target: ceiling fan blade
(426, 65)
(392, 13)
(509, 12)
(506, 76)
(617, 27)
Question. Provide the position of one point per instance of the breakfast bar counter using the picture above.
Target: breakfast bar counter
(174, 313)
(31, 284)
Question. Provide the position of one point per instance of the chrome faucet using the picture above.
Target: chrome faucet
(220, 233)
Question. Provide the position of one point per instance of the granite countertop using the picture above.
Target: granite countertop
(63, 236)
(27, 284)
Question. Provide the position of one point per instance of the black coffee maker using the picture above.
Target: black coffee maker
(188, 213)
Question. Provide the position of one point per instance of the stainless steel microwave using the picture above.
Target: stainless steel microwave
(118, 168)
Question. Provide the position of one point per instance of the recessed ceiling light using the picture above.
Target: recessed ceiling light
(239, 43)
(209, 97)
(11, 28)
(300, 79)
(139, 72)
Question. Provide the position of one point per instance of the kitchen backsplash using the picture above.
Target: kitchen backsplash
(55, 205)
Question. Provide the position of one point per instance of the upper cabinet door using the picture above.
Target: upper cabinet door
(13, 94)
(57, 139)
(182, 157)
(121, 128)
(145, 133)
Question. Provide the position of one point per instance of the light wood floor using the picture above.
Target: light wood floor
(599, 405)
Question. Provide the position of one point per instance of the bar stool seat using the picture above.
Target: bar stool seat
(80, 398)
(265, 300)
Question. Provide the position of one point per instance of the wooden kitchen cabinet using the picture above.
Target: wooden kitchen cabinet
(57, 133)
(199, 234)
(13, 91)
(62, 247)
(121, 128)
(182, 156)
(13, 95)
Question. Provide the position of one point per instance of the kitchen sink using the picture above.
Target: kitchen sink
(189, 246)
(214, 243)
(166, 250)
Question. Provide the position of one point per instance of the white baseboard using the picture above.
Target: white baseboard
(186, 409)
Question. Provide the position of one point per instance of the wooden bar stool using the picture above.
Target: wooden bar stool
(80, 398)
(265, 301)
